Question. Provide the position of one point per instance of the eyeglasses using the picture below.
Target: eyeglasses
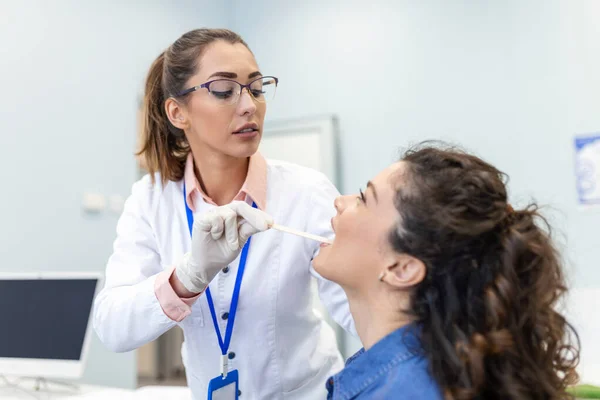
(227, 91)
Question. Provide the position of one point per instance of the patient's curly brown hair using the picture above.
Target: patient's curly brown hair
(487, 307)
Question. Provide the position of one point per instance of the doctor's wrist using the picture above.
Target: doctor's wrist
(178, 287)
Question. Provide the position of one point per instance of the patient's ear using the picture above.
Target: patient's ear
(404, 271)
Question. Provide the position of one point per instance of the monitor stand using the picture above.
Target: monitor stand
(34, 386)
(39, 382)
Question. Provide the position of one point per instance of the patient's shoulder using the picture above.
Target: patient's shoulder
(409, 379)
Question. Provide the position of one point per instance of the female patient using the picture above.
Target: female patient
(452, 291)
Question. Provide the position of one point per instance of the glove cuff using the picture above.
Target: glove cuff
(186, 276)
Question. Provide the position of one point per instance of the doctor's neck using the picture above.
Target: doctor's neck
(221, 176)
(376, 314)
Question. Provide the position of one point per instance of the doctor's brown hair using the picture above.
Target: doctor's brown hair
(487, 306)
(164, 147)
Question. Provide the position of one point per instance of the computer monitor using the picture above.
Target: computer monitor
(46, 323)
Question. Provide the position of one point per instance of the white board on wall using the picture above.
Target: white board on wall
(310, 142)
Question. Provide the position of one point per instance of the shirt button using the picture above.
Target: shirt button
(225, 270)
(231, 355)
(225, 315)
(239, 393)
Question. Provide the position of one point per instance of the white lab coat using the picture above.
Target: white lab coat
(283, 350)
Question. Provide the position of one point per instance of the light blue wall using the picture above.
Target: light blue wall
(511, 80)
(70, 75)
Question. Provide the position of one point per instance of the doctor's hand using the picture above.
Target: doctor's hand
(218, 237)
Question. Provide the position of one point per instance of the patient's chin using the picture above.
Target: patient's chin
(321, 262)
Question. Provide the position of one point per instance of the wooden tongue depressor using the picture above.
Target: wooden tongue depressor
(300, 233)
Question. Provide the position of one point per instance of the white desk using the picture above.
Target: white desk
(87, 392)
(582, 311)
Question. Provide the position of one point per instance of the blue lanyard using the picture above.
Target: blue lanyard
(224, 345)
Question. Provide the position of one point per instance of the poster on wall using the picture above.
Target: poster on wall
(587, 169)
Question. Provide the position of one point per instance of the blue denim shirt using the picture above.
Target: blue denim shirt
(391, 369)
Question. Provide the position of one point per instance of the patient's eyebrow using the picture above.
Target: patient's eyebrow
(370, 185)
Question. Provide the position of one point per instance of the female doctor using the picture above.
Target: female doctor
(201, 216)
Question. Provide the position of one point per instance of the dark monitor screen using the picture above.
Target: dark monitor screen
(44, 318)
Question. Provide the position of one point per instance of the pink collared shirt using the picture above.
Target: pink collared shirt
(254, 188)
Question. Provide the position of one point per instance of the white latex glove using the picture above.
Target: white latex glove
(218, 237)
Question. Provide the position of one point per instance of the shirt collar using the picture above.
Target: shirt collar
(255, 185)
(361, 368)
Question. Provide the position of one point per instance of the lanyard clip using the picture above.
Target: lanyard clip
(224, 366)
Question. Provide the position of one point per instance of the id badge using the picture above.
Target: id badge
(220, 388)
